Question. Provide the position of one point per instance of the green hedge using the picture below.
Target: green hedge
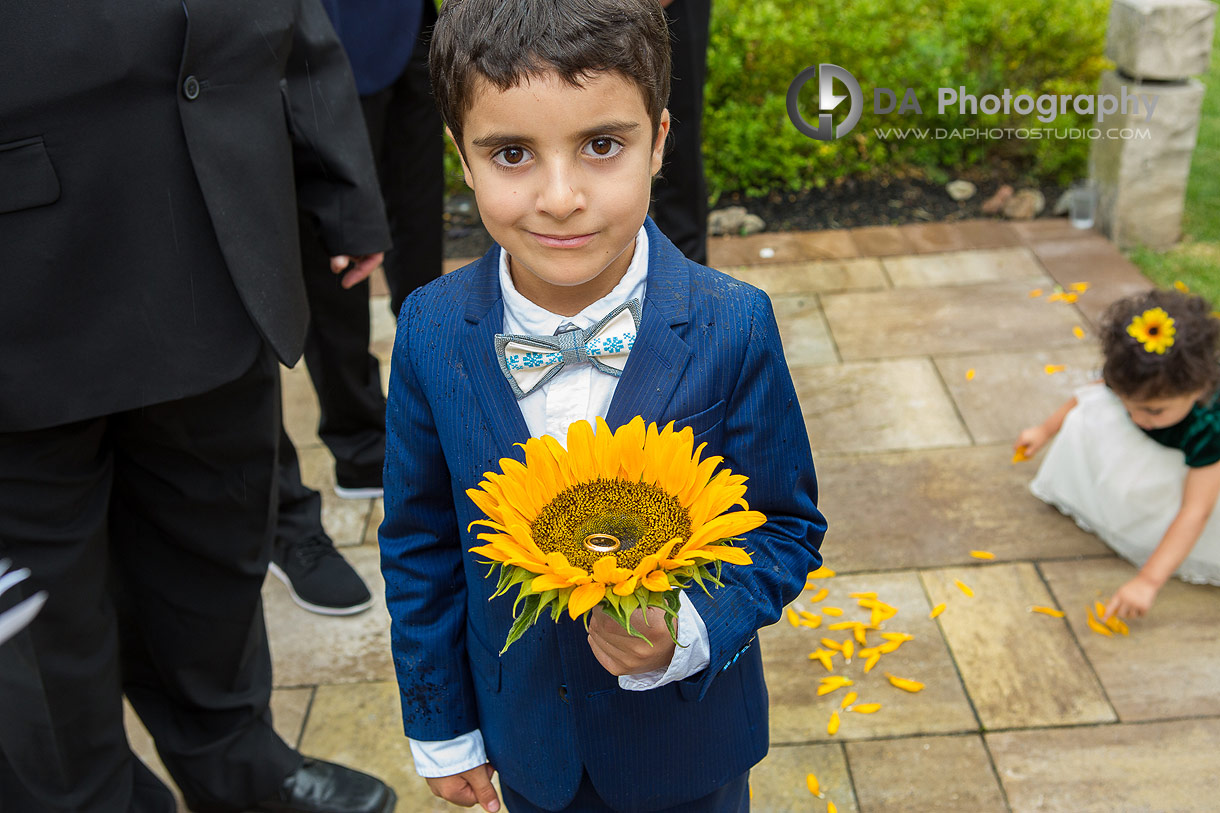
(757, 47)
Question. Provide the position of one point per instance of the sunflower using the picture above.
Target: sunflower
(1154, 329)
(623, 519)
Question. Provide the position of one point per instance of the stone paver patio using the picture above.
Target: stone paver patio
(1021, 711)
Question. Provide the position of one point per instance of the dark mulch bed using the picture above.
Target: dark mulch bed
(849, 204)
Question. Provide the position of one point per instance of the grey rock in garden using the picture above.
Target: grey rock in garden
(726, 221)
(995, 204)
(1026, 204)
(961, 190)
(734, 220)
(1063, 205)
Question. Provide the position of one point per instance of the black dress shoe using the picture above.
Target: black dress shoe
(324, 787)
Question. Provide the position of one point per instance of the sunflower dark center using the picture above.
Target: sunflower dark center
(642, 517)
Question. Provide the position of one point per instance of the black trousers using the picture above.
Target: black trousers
(680, 193)
(150, 531)
(407, 139)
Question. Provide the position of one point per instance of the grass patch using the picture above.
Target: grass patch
(1196, 260)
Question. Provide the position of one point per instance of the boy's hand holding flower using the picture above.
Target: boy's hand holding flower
(622, 653)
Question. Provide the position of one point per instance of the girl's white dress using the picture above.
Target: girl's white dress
(1117, 482)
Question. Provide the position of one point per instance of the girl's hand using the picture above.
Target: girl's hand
(1031, 440)
(1133, 599)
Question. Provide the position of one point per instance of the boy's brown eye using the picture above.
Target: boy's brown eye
(602, 146)
(513, 155)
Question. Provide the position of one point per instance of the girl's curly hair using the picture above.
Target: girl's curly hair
(1189, 365)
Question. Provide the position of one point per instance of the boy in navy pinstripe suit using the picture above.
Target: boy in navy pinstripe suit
(558, 109)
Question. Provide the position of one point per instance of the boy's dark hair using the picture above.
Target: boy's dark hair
(1190, 364)
(508, 41)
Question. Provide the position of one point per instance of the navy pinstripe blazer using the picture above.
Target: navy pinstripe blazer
(707, 355)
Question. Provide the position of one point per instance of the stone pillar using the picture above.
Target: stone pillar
(1157, 46)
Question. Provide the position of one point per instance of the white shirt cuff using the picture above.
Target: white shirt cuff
(692, 654)
(437, 758)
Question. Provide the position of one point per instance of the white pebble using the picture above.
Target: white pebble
(766, 253)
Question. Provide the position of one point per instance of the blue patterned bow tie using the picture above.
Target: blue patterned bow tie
(528, 362)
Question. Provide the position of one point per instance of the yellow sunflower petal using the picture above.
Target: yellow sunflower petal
(585, 598)
(628, 585)
(630, 439)
(580, 451)
(560, 456)
(725, 553)
(549, 581)
(605, 450)
(724, 527)
(656, 581)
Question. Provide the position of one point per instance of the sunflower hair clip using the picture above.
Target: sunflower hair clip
(1154, 329)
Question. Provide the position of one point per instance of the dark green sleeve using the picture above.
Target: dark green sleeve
(1201, 443)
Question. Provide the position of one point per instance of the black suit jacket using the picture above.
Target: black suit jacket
(152, 158)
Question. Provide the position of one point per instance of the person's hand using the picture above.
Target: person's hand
(1031, 440)
(1133, 599)
(361, 267)
(468, 788)
(620, 652)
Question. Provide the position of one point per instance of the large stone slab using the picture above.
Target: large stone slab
(1168, 666)
(931, 508)
(308, 649)
(965, 268)
(1160, 39)
(916, 775)
(288, 710)
(779, 784)
(300, 406)
(344, 520)
(1167, 767)
(813, 276)
(779, 247)
(986, 399)
(881, 241)
(382, 325)
(803, 330)
(877, 406)
(957, 319)
(361, 725)
(1085, 256)
(931, 238)
(1022, 669)
(799, 715)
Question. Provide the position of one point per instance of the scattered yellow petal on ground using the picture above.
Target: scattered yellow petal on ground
(1070, 298)
(830, 643)
(906, 684)
(866, 708)
(1181, 286)
(937, 610)
(793, 618)
(1115, 623)
(1057, 296)
(1051, 369)
(843, 625)
(982, 554)
(897, 636)
(830, 808)
(871, 662)
(812, 623)
(833, 725)
(1051, 611)
(1079, 286)
(1097, 626)
(970, 374)
(1035, 293)
(827, 688)
(861, 634)
(835, 611)
(848, 699)
(1078, 332)
(811, 782)
(862, 595)
(1100, 609)
(825, 657)
(848, 648)
(818, 596)
(965, 588)
(837, 681)
(822, 572)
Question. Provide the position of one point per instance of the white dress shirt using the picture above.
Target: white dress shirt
(577, 392)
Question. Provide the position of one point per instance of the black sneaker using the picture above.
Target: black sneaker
(318, 577)
(364, 487)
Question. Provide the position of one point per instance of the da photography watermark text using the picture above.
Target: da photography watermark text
(888, 101)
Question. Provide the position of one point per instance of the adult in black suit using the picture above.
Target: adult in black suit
(153, 156)
(680, 192)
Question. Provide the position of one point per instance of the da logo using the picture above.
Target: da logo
(827, 101)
